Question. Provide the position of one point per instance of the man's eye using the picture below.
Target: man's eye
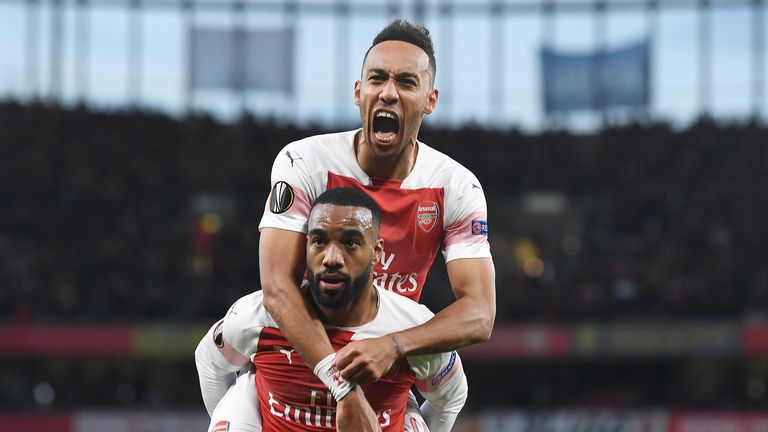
(318, 241)
(352, 243)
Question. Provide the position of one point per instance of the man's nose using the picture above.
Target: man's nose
(389, 94)
(333, 257)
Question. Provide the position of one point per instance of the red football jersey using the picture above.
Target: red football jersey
(292, 398)
(440, 205)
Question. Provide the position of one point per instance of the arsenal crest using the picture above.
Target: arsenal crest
(427, 215)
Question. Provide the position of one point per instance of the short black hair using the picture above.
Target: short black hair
(351, 198)
(416, 34)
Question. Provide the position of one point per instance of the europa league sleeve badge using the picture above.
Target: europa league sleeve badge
(281, 197)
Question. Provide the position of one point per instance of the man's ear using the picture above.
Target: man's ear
(357, 92)
(378, 249)
(431, 101)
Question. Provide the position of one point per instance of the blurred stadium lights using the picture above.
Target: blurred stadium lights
(210, 223)
(571, 245)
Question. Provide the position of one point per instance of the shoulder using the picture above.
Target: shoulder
(246, 310)
(314, 155)
(395, 313)
(246, 317)
(464, 195)
(317, 146)
(443, 170)
(401, 311)
(245, 303)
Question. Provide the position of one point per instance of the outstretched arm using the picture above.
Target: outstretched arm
(467, 321)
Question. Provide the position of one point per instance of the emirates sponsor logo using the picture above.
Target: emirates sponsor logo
(396, 282)
(427, 215)
(320, 412)
(393, 281)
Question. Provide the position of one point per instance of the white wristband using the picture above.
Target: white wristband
(331, 377)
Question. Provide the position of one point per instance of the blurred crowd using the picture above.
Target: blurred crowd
(39, 384)
(128, 216)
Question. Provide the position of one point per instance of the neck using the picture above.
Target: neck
(394, 168)
(359, 312)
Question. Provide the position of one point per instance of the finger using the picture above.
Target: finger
(343, 358)
(362, 373)
(352, 370)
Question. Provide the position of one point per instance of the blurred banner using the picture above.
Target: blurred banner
(613, 421)
(718, 422)
(597, 80)
(755, 339)
(664, 339)
(569, 421)
(238, 59)
(518, 341)
(112, 421)
(573, 420)
(508, 342)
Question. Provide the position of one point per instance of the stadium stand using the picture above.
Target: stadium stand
(630, 263)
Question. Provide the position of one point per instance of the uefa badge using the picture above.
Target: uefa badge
(427, 215)
(479, 227)
(281, 197)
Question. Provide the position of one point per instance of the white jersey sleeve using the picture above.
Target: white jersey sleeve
(466, 218)
(440, 379)
(216, 364)
(228, 346)
(465, 223)
(294, 185)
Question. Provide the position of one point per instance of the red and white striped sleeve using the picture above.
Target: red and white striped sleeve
(466, 221)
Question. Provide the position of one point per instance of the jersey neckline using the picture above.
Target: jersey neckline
(362, 326)
(380, 181)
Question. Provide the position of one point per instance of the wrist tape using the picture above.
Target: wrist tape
(331, 377)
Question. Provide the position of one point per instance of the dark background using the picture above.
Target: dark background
(100, 226)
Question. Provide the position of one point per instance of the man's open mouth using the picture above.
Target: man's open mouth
(386, 125)
(332, 281)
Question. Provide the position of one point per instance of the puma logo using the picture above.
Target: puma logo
(288, 353)
(293, 159)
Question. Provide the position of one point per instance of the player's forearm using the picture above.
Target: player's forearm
(298, 322)
(444, 403)
(465, 322)
(468, 320)
(282, 261)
